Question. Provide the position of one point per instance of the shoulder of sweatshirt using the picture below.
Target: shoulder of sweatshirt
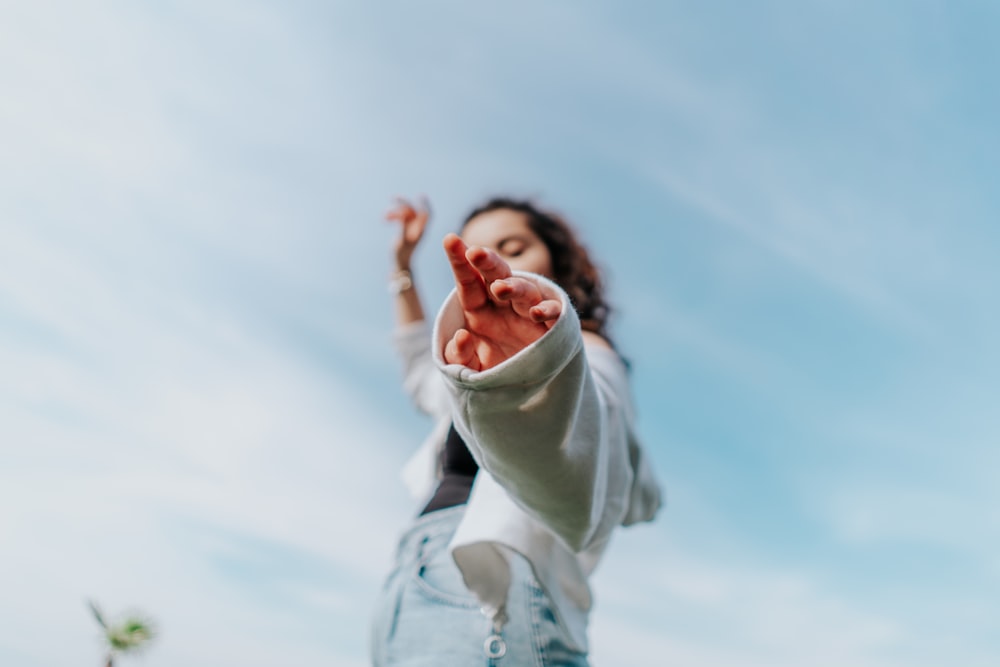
(595, 341)
(603, 358)
(609, 371)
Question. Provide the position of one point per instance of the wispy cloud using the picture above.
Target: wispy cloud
(197, 403)
(134, 408)
(697, 610)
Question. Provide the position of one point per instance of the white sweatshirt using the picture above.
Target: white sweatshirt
(560, 464)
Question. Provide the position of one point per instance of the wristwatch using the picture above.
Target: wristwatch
(400, 281)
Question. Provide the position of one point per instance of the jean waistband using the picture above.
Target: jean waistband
(429, 525)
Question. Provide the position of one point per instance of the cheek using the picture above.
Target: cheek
(540, 263)
(545, 261)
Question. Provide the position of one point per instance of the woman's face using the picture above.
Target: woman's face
(507, 233)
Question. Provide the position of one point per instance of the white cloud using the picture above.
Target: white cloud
(259, 452)
(803, 238)
(898, 512)
(680, 607)
(156, 435)
(132, 408)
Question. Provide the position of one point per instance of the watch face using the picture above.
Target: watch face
(400, 282)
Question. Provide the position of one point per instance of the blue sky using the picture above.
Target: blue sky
(200, 414)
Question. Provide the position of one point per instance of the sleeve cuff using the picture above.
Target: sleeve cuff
(541, 359)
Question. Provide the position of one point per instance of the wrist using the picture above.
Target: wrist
(403, 256)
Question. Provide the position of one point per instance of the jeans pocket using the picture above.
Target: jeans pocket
(551, 639)
(439, 579)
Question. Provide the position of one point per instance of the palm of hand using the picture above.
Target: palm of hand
(497, 334)
(503, 313)
(413, 221)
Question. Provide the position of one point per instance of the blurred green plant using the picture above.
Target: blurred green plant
(129, 635)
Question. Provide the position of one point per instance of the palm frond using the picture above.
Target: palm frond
(131, 634)
(97, 613)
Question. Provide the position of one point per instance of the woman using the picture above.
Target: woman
(534, 461)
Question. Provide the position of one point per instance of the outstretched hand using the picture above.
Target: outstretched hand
(503, 313)
(412, 222)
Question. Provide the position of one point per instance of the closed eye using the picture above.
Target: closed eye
(512, 247)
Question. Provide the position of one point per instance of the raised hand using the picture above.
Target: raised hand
(412, 221)
(503, 313)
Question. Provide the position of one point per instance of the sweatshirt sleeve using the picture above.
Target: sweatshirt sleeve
(552, 432)
(421, 380)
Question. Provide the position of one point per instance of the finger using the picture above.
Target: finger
(461, 349)
(526, 299)
(414, 228)
(423, 213)
(401, 211)
(546, 311)
(425, 204)
(513, 288)
(468, 283)
(517, 291)
(489, 264)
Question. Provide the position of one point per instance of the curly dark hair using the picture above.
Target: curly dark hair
(572, 268)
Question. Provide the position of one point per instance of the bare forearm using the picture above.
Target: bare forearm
(413, 222)
(409, 308)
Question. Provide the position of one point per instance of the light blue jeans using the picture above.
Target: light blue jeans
(426, 617)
